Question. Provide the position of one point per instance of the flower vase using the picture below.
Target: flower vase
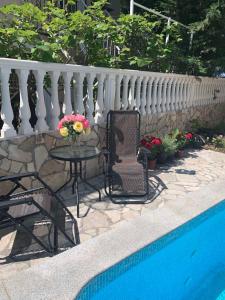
(75, 143)
(180, 153)
(152, 164)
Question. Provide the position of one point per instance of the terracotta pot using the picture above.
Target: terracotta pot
(180, 153)
(152, 164)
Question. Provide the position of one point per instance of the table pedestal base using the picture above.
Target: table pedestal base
(75, 175)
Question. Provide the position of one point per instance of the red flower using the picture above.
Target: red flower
(156, 141)
(188, 136)
(150, 141)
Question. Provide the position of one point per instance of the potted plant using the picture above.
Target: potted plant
(181, 142)
(189, 139)
(152, 144)
(168, 148)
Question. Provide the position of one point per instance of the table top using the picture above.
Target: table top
(79, 153)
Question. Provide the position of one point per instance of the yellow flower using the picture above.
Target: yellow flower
(78, 127)
(87, 131)
(64, 131)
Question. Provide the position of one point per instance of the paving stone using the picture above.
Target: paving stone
(16, 167)
(40, 156)
(28, 144)
(5, 164)
(114, 216)
(51, 166)
(19, 155)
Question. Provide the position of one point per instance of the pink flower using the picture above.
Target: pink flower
(67, 118)
(86, 123)
(60, 125)
(79, 118)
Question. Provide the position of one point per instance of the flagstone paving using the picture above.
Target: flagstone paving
(169, 185)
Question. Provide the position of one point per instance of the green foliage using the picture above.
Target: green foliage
(57, 35)
(179, 138)
(169, 145)
(219, 141)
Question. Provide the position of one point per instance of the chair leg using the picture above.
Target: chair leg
(56, 241)
(20, 223)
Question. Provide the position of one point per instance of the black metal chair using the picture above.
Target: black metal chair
(21, 204)
(126, 171)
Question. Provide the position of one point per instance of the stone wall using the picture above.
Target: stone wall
(30, 153)
(208, 115)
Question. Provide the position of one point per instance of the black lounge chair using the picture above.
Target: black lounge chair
(126, 172)
(20, 204)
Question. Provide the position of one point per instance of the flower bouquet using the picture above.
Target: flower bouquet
(72, 126)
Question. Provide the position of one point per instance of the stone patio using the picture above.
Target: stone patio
(169, 184)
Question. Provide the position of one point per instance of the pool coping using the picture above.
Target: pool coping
(63, 276)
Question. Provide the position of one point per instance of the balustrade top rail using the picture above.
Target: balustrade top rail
(46, 91)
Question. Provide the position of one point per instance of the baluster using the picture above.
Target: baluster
(117, 99)
(174, 106)
(149, 97)
(90, 100)
(188, 93)
(201, 93)
(169, 95)
(125, 102)
(99, 103)
(138, 93)
(67, 105)
(79, 100)
(6, 108)
(40, 110)
(181, 95)
(178, 94)
(143, 107)
(25, 127)
(55, 111)
(112, 90)
(193, 92)
(154, 96)
(159, 96)
(131, 92)
(164, 90)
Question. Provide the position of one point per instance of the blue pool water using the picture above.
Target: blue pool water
(188, 263)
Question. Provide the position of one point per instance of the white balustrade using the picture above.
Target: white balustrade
(117, 105)
(149, 96)
(6, 108)
(99, 102)
(138, 93)
(67, 104)
(143, 103)
(94, 91)
(55, 110)
(125, 102)
(90, 102)
(24, 112)
(40, 107)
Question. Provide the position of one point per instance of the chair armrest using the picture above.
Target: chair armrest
(16, 177)
(13, 202)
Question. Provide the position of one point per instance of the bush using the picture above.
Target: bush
(169, 146)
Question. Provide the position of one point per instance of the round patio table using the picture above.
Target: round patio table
(76, 156)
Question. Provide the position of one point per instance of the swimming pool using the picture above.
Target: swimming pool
(188, 263)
